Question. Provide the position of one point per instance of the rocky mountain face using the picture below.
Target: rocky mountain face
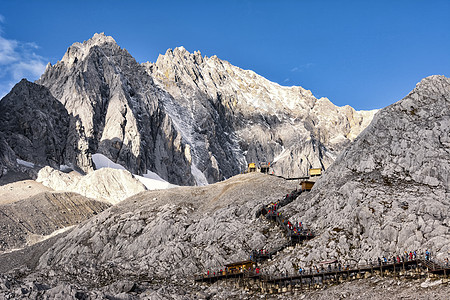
(118, 107)
(389, 191)
(226, 110)
(7, 156)
(36, 127)
(188, 118)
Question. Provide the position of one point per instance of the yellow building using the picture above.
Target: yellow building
(240, 266)
(315, 172)
(307, 185)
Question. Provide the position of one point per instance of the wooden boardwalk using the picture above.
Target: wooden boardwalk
(332, 273)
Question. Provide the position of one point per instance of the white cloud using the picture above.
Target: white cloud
(7, 51)
(18, 60)
(24, 69)
(302, 67)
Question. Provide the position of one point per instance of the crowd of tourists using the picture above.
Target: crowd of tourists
(335, 265)
(229, 271)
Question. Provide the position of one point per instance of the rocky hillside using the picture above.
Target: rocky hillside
(31, 220)
(174, 233)
(152, 243)
(388, 192)
(190, 119)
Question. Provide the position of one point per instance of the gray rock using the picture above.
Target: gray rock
(388, 191)
(232, 116)
(168, 235)
(7, 156)
(31, 220)
(37, 128)
(35, 124)
(118, 109)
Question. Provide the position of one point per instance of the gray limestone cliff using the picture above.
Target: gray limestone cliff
(36, 127)
(118, 107)
(236, 116)
(194, 119)
(7, 156)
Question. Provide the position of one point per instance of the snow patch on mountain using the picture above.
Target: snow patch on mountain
(101, 161)
(25, 163)
(151, 180)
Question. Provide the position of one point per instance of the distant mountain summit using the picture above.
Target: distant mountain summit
(251, 117)
(190, 119)
(119, 108)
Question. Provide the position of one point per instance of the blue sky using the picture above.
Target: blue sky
(367, 54)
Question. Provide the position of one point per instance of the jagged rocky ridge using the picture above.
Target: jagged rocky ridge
(188, 118)
(228, 110)
(118, 107)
